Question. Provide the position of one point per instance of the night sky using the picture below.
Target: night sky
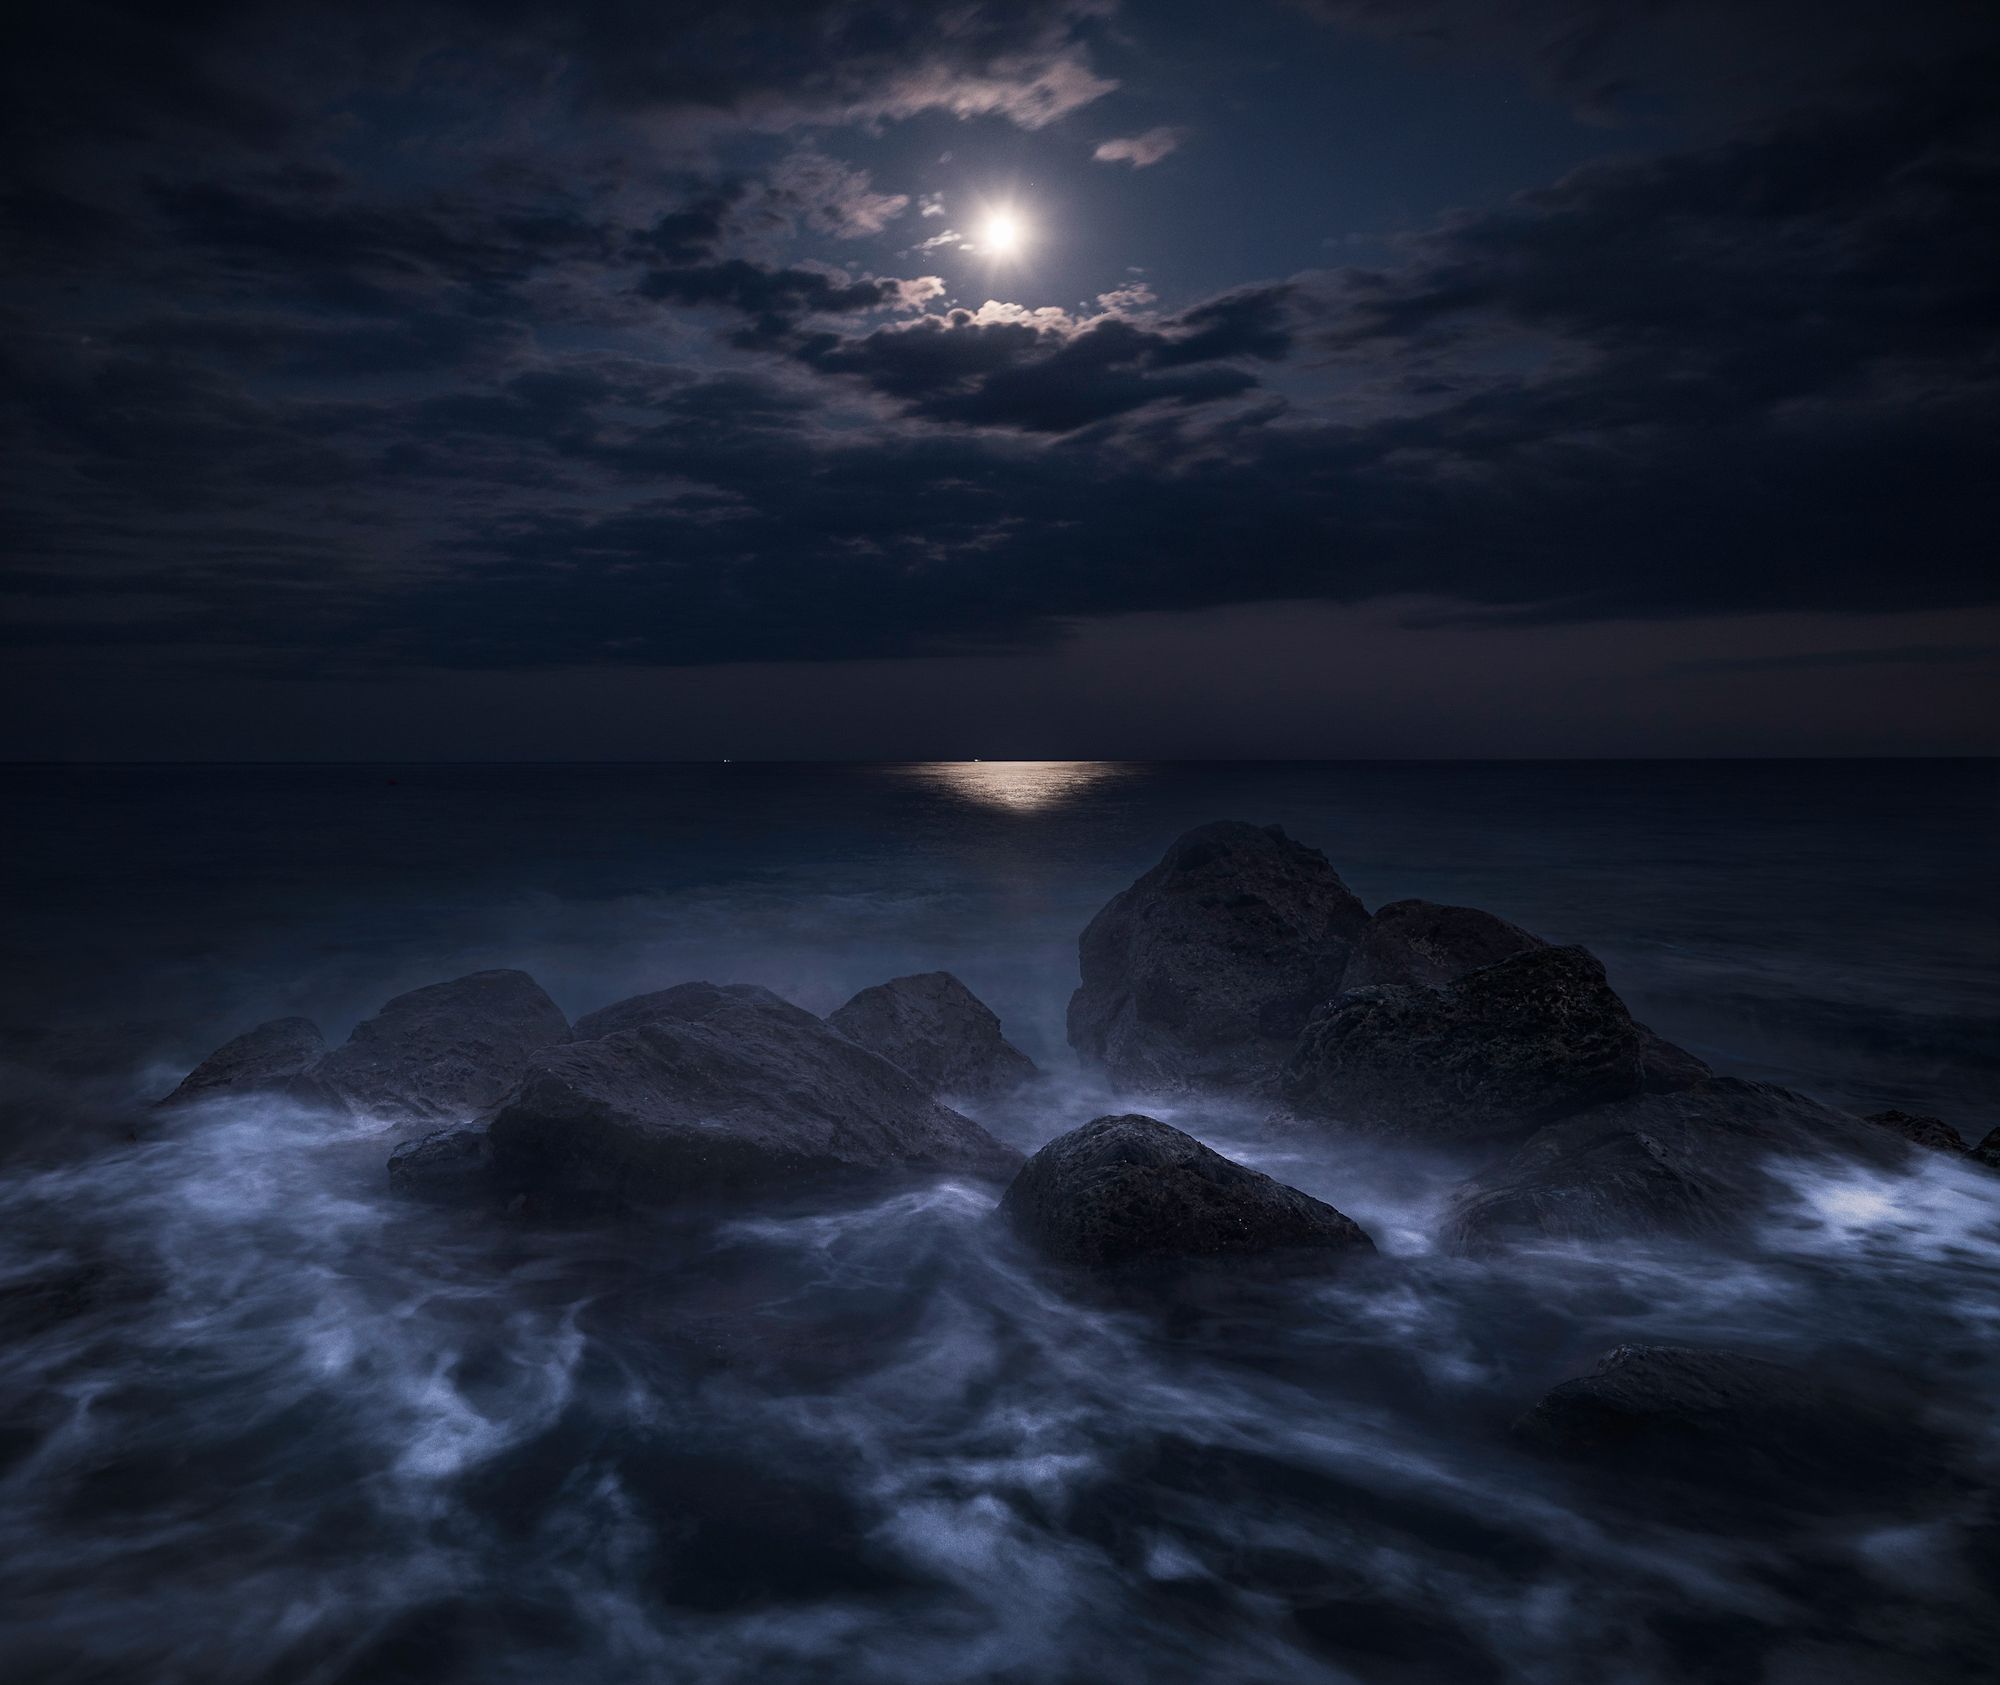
(1061, 378)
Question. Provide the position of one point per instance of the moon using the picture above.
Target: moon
(1003, 233)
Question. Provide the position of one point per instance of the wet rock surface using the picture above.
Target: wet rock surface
(442, 1054)
(1130, 1189)
(451, 1164)
(1692, 1163)
(935, 1028)
(262, 1060)
(1528, 1040)
(1206, 969)
(1931, 1132)
(721, 1088)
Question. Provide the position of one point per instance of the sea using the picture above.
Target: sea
(263, 1420)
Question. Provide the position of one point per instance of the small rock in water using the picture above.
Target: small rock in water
(1204, 971)
(1932, 1132)
(1743, 1425)
(1130, 1189)
(939, 1031)
(1987, 1152)
(1506, 1047)
(443, 1054)
(260, 1060)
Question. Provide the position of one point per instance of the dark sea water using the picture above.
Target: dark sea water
(259, 1420)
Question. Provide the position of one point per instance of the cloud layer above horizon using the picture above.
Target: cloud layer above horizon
(363, 340)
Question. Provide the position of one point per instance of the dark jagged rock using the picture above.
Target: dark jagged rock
(267, 1058)
(450, 1164)
(1128, 1189)
(1760, 1429)
(1686, 1163)
(1205, 970)
(1987, 1152)
(1932, 1132)
(1432, 944)
(720, 1088)
(666, 1006)
(1504, 1048)
(1665, 1068)
(445, 1053)
(1428, 943)
(939, 1031)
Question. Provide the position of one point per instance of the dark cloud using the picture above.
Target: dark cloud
(590, 375)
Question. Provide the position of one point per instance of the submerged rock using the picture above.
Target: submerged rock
(718, 1088)
(1506, 1047)
(1127, 1189)
(449, 1164)
(1932, 1132)
(1205, 970)
(939, 1031)
(1724, 1419)
(260, 1060)
(1695, 1162)
(444, 1053)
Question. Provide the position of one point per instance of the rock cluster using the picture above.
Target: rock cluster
(1240, 964)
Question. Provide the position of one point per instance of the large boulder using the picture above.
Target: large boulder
(1203, 972)
(1125, 1190)
(1429, 943)
(684, 1001)
(1665, 1415)
(1696, 1162)
(1919, 1129)
(1504, 1048)
(443, 1054)
(721, 1088)
(1432, 944)
(270, 1057)
(939, 1031)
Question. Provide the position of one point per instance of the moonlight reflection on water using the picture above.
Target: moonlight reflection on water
(1024, 786)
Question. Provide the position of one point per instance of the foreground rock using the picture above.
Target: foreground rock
(1987, 1152)
(1665, 1414)
(443, 1054)
(262, 1060)
(939, 1031)
(1124, 1190)
(1931, 1132)
(1693, 1163)
(720, 1088)
(1531, 1039)
(1203, 972)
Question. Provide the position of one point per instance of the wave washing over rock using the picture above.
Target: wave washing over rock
(1425, 1317)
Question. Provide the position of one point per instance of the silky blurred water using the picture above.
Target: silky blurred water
(261, 1421)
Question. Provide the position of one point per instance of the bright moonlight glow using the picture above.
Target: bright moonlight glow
(1003, 233)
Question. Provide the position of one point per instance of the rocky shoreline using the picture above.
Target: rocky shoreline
(1240, 967)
